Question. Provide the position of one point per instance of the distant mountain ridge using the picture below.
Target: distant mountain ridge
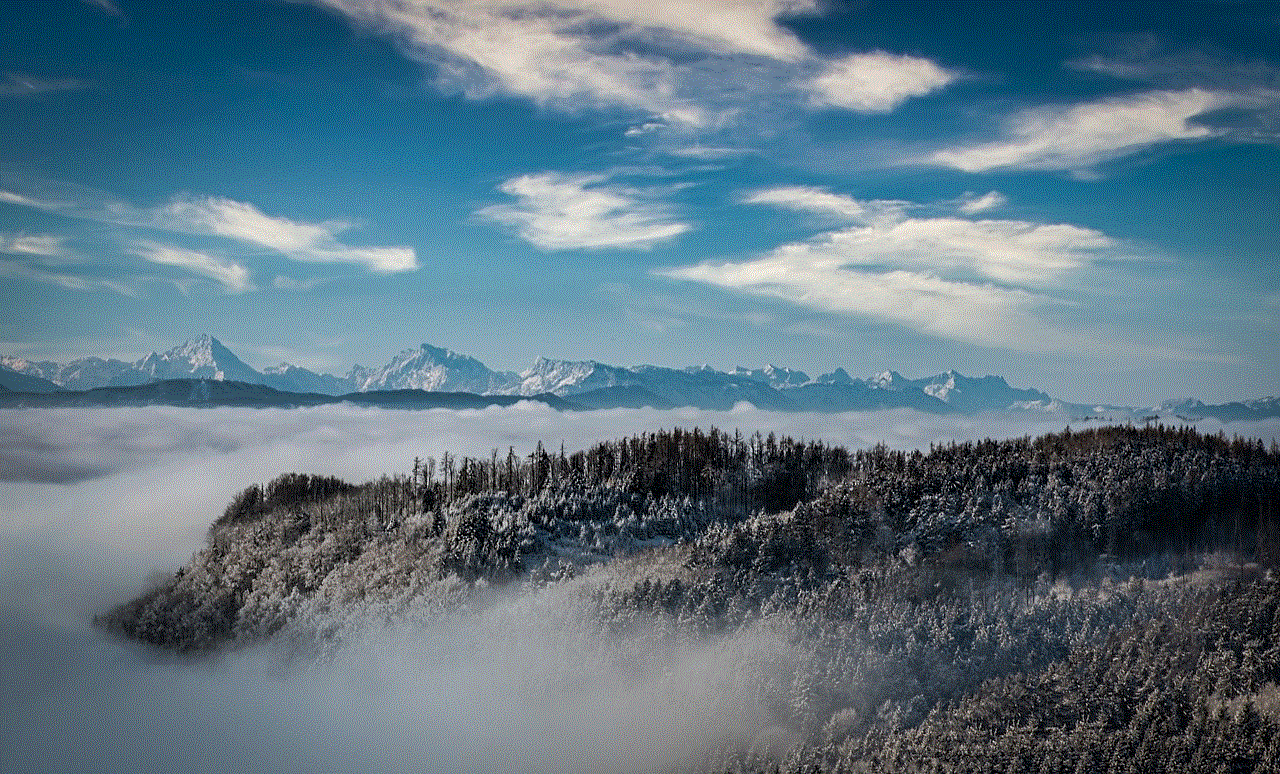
(590, 384)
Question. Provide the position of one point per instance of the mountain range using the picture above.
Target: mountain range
(586, 384)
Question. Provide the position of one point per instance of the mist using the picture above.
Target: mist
(94, 504)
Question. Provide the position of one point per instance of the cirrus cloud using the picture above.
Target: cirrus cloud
(46, 247)
(231, 275)
(981, 282)
(692, 63)
(1080, 136)
(220, 217)
(573, 212)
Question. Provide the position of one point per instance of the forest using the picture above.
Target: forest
(1097, 600)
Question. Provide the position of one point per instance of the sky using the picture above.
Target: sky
(1084, 198)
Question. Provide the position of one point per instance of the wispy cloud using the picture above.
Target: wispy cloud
(45, 258)
(23, 271)
(690, 63)
(975, 281)
(240, 221)
(567, 212)
(972, 205)
(231, 275)
(51, 247)
(708, 152)
(822, 202)
(19, 85)
(980, 314)
(299, 240)
(877, 82)
(1008, 251)
(1253, 83)
(1080, 136)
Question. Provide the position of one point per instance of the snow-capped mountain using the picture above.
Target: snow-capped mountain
(201, 358)
(591, 384)
(84, 373)
(432, 369)
(570, 377)
(707, 388)
(292, 378)
(971, 395)
(857, 395)
(777, 377)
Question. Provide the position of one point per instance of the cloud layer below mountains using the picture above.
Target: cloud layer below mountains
(94, 503)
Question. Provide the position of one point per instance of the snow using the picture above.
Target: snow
(434, 368)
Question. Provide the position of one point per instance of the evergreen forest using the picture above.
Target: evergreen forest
(1097, 600)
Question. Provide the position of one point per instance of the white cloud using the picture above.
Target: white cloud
(567, 54)
(37, 258)
(690, 63)
(299, 240)
(1080, 136)
(232, 276)
(980, 314)
(877, 82)
(707, 152)
(647, 127)
(1008, 251)
(976, 281)
(47, 246)
(567, 212)
(821, 202)
(1254, 84)
(993, 200)
(9, 197)
(212, 216)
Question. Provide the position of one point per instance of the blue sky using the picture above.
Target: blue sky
(1083, 198)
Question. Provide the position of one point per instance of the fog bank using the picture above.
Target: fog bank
(95, 502)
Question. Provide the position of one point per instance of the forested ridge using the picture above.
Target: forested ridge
(1096, 600)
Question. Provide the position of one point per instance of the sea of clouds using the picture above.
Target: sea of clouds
(95, 504)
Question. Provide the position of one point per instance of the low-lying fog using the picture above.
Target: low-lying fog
(94, 503)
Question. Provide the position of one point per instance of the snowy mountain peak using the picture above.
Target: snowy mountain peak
(203, 357)
(777, 377)
(568, 377)
(429, 368)
(432, 368)
(890, 380)
(987, 393)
